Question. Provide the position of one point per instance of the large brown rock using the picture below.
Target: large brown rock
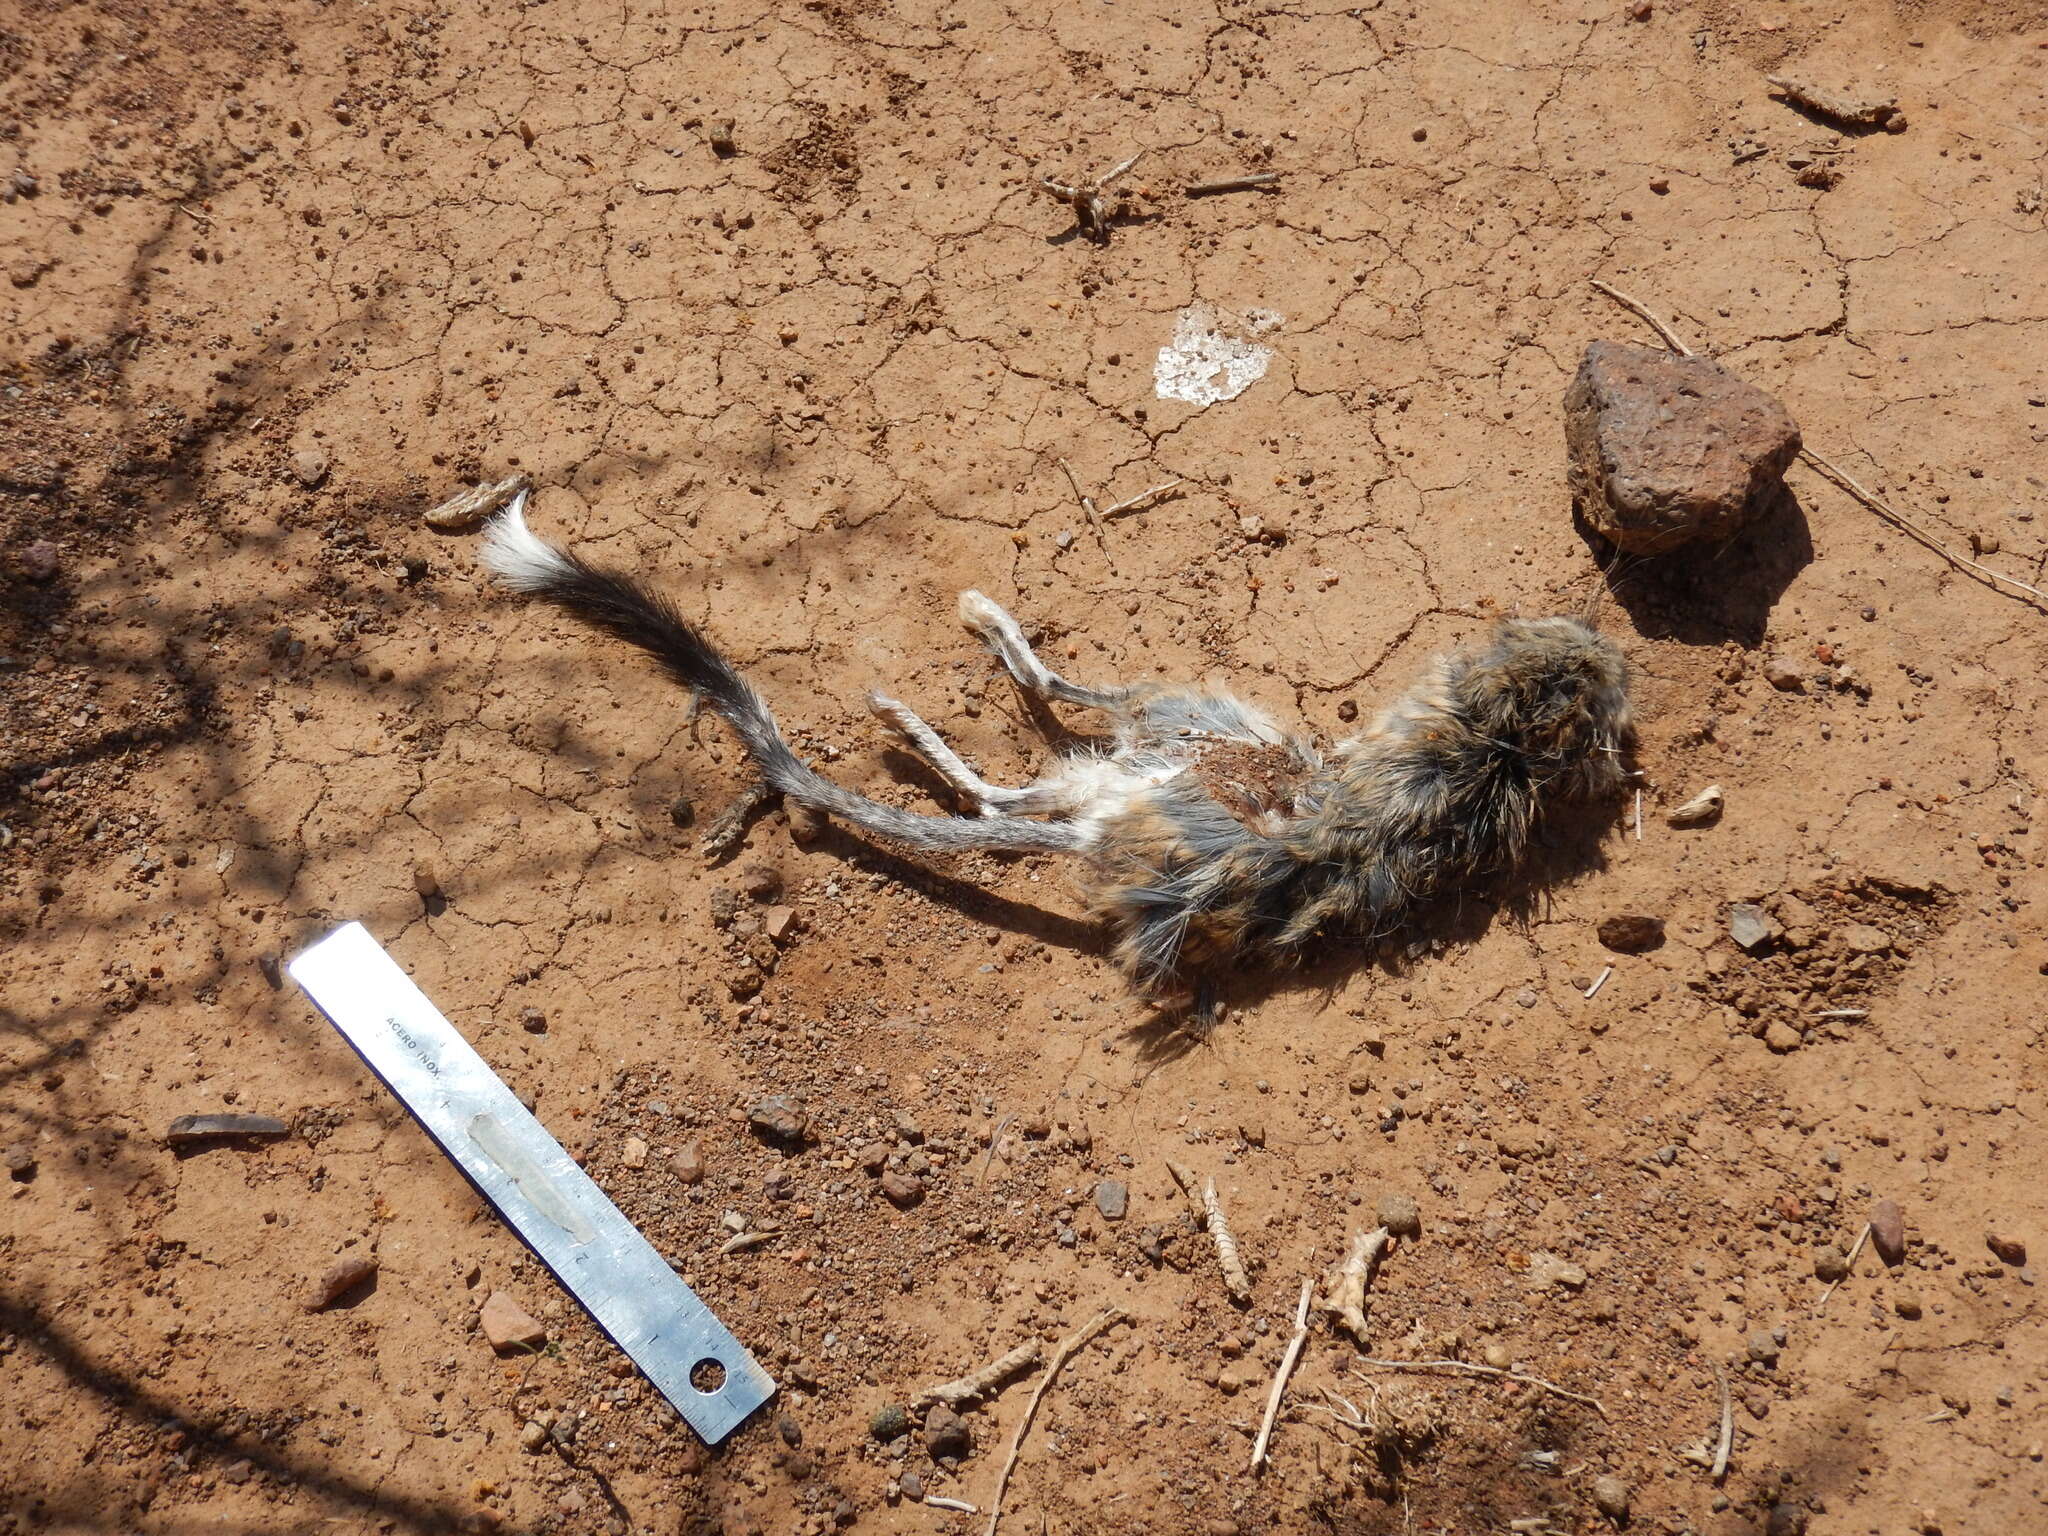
(1667, 449)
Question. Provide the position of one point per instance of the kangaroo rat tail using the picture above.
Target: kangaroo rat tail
(621, 607)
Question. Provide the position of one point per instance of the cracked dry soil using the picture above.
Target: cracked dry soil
(280, 277)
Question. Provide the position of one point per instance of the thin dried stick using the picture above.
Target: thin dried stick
(1107, 1318)
(1834, 472)
(1470, 1369)
(1861, 1238)
(1843, 1013)
(1727, 1440)
(1234, 1278)
(1599, 981)
(1287, 1364)
(1135, 503)
(1244, 183)
(1087, 502)
(1639, 815)
(978, 1383)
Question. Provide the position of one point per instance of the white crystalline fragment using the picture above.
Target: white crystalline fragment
(1212, 356)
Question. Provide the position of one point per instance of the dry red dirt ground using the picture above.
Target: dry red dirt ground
(281, 277)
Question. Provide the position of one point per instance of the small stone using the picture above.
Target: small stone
(2006, 1248)
(874, 1156)
(806, 823)
(1660, 185)
(1360, 1082)
(1763, 1347)
(912, 1486)
(509, 1326)
(1782, 1037)
(1888, 1232)
(907, 1126)
(21, 1162)
(1497, 1355)
(1830, 1265)
(688, 1163)
(40, 561)
(1400, 1215)
(1526, 998)
(779, 1119)
(1631, 933)
(1113, 1199)
(1610, 1497)
(779, 923)
(340, 1278)
(198, 1130)
(763, 882)
(533, 1437)
(890, 1422)
(792, 1432)
(1906, 1304)
(1547, 1269)
(425, 881)
(1667, 449)
(1785, 674)
(634, 1153)
(1750, 926)
(903, 1189)
(309, 467)
(681, 811)
(533, 1021)
(1863, 939)
(946, 1434)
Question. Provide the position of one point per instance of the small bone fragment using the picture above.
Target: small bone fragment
(1234, 1277)
(1345, 1284)
(459, 514)
(980, 1383)
(1857, 111)
(1700, 809)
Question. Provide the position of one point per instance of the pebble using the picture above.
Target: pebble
(946, 1434)
(40, 561)
(425, 881)
(1785, 1520)
(309, 467)
(1631, 933)
(1763, 1347)
(1906, 1304)
(1499, 1356)
(1864, 939)
(763, 882)
(890, 1422)
(507, 1325)
(634, 1153)
(1610, 1497)
(1400, 1215)
(1526, 998)
(340, 1277)
(1888, 1232)
(792, 1432)
(779, 923)
(533, 1437)
(903, 1189)
(688, 1163)
(1547, 1269)
(912, 1486)
(2007, 1248)
(1785, 674)
(1830, 1265)
(533, 1021)
(681, 811)
(21, 1162)
(779, 1118)
(1113, 1199)
(1750, 926)
(199, 1130)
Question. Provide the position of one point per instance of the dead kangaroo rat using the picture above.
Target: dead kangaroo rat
(1206, 835)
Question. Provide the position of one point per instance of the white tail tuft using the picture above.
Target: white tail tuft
(519, 557)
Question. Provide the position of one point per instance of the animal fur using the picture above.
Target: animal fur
(1190, 866)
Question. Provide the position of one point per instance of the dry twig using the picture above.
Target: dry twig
(1235, 1280)
(1138, 503)
(1834, 472)
(1107, 1318)
(1287, 1364)
(1345, 1283)
(1849, 1269)
(979, 1383)
(1727, 1440)
(1244, 183)
(1087, 198)
(1468, 1368)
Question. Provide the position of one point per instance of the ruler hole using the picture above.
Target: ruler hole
(708, 1376)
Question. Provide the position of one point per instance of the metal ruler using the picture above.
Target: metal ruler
(596, 1253)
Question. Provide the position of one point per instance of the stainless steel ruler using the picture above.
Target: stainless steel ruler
(597, 1254)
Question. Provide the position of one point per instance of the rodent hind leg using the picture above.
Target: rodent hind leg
(976, 793)
(1002, 635)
